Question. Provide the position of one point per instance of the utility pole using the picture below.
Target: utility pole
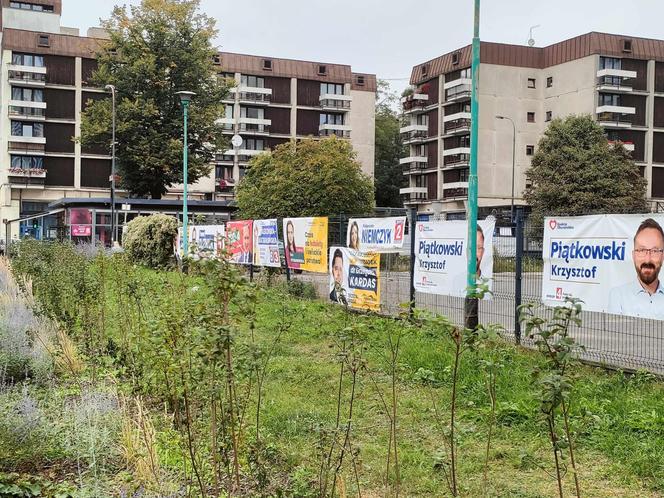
(471, 303)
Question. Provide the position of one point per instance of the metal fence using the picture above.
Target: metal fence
(614, 341)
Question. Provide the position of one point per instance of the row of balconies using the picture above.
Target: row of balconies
(451, 191)
(263, 96)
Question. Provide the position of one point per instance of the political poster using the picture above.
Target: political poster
(610, 262)
(355, 278)
(239, 241)
(306, 244)
(440, 256)
(266, 243)
(376, 234)
(205, 241)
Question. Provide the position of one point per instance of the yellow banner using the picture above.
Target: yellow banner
(355, 278)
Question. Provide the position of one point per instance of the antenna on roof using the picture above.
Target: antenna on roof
(531, 40)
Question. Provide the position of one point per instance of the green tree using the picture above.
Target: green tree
(575, 171)
(305, 178)
(155, 50)
(388, 177)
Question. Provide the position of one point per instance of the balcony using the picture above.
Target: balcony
(414, 159)
(227, 124)
(619, 73)
(629, 146)
(243, 152)
(414, 103)
(458, 90)
(414, 133)
(456, 161)
(13, 68)
(27, 176)
(613, 116)
(457, 123)
(32, 113)
(456, 151)
(225, 185)
(335, 102)
(455, 193)
(36, 141)
(613, 84)
(255, 126)
(414, 167)
(413, 195)
(327, 130)
(27, 78)
(253, 94)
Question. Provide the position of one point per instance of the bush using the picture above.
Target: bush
(149, 240)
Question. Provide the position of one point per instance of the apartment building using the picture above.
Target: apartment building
(615, 78)
(278, 100)
(45, 72)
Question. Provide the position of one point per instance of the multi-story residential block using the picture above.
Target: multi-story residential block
(45, 72)
(617, 79)
(277, 100)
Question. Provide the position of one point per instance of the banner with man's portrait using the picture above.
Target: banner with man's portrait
(305, 244)
(239, 243)
(376, 234)
(611, 262)
(355, 278)
(440, 256)
(266, 243)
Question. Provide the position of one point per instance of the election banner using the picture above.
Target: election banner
(355, 278)
(306, 244)
(239, 241)
(610, 262)
(440, 256)
(266, 243)
(376, 234)
(205, 241)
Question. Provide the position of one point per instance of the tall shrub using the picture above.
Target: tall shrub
(149, 240)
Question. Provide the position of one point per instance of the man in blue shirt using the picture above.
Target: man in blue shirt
(645, 296)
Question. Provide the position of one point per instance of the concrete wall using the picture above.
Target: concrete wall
(362, 120)
(29, 20)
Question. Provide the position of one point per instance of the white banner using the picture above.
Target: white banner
(611, 262)
(266, 243)
(205, 241)
(440, 256)
(376, 234)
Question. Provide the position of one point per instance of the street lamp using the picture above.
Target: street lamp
(185, 98)
(111, 88)
(513, 162)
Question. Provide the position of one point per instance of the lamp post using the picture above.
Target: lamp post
(185, 98)
(111, 88)
(513, 162)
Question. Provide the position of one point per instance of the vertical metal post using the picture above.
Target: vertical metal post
(471, 303)
(185, 158)
(513, 169)
(411, 300)
(113, 213)
(518, 273)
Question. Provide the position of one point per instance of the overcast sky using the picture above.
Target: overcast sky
(387, 37)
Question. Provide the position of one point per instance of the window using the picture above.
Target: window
(360, 80)
(322, 70)
(267, 64)
(455, 58)
(464, 141)
(254, 144)
(331, 89)
(31, 6)
(252, 112)
(216, 59)
(27, 162)
(549, 82)
(609, 99)
(531, 82)
(27, 94)
(228, 111)
(531, 117)
(548, 116)
(331, 119)
(21, 59)
(627, 46)
(530, 150)
(422, 119)
(252, 81)
(23, 129)
(425, 69)
(43, 41)
(609, 63)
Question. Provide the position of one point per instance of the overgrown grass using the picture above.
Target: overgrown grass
(136, 444)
